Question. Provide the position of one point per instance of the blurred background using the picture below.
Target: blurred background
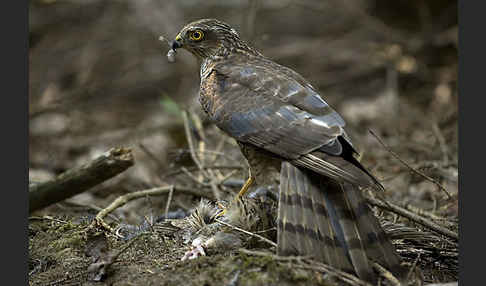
(99, 78)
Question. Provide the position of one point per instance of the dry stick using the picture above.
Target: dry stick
(227, 176)
(387, 274)
(169, 199)
(91, 206)
(195, 157)
(113, 256)
(80, 179)
(427, 214)
(215, 154)
(110, 258)
(444, 284)
(408, 166)
(271, 255)
(187, 130)
(310, 265)
(154, 158)
(193, 178)
(182, 169)
(343, 276)
(414, 265)
(201, 144)
(442, 143)
(120, 201)
(218, 149)
(249, 233)
(173, 173)
(202, 151)
(413, 217)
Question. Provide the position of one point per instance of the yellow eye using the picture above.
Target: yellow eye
(196, 35)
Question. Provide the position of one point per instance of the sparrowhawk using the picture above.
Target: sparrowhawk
(280, 121)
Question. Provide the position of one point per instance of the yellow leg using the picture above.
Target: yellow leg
(241, 193)
(245, 187)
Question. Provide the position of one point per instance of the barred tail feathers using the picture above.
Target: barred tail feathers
(330, 221)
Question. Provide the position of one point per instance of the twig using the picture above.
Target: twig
(195, 158)
(218, 149)
(46, 218)
(227, 176)
(100, 267)
(80, 179)
(414, 265)
(190, 142)
(341, 275)
(215, 154)
(387, 274)
(152, 156)
(443, 284)
(442, 143)
(120, 201)
(90, 206)
(427, 214)
(413, 217)
(172, 173)
(271, 255)
(169, 199)
(202, 152)
(249, 233)
(193, 178)
(304, 262)
(411, 168)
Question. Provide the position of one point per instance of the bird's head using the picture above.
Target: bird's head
(207, 37)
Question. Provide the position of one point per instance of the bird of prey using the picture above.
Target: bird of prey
(282, 123)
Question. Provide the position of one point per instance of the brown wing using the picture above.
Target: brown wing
(259, 102)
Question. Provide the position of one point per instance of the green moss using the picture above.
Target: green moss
(72, 240)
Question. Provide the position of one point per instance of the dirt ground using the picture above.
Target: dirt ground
(389, 68)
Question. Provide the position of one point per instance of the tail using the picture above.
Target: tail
(331, 221)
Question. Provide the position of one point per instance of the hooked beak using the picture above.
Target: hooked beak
(177, 43)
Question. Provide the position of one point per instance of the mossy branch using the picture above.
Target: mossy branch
(80, 179)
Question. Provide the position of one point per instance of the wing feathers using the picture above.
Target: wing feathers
(338, 168)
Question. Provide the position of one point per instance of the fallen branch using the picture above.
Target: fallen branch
(122, 200)
(413, 217)
(80, 179)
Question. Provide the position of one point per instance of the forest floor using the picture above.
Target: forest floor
(65, 250)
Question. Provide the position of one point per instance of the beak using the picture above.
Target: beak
(177, 43)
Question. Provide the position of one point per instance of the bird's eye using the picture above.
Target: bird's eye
(196, 35)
